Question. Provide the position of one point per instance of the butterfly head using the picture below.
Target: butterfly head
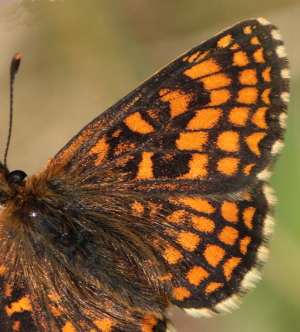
(17, 177)
(9, 183)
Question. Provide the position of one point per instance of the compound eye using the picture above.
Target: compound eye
(17, 176)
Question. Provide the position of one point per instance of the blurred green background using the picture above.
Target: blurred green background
(80, 57)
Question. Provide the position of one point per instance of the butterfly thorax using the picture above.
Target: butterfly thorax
(66, 234)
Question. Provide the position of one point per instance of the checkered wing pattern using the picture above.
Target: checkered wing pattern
(163, 199)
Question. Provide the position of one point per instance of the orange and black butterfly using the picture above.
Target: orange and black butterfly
(161, 200)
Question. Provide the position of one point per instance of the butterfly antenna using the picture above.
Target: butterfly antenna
(15, 63)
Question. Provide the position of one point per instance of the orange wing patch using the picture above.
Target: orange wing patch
(192, 140)
(240, 59)
(219, 97)
(265, 96)
(213, 286)
(248, 77)
(247, 95)
(247, 169)
(244, 244)
(23, 304)
(202, 69)
(230, 211)
(266, 74)
(181, 293)
(230, 265)
(228, 141)
(2, 270)
(137, 209)
(188, 240)
(225, 41)
(255, 41)
(259, 56)
(248, 215)
(105, 324)
(101, 149)
(248, 30)
(172, 255)
(203, 224)
(179, 100)
(228, 235)
(228, 165)
(196, 274)
(253, 141)
(177, 216)
(145, 169)
(259, 118)
(148, 324)
(68, 327)
(136, 123)
(198, 166)
(205, 119)
(239, 115)
(214, 254)
(198, 204)
(215, 81)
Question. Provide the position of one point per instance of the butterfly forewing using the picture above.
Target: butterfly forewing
(208, 117)
(163, 198)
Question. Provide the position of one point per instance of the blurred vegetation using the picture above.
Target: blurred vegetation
(79, 57)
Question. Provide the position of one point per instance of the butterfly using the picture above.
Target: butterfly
(161, 200)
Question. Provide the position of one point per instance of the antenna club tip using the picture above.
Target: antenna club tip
(17, 56)
(14, 66)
